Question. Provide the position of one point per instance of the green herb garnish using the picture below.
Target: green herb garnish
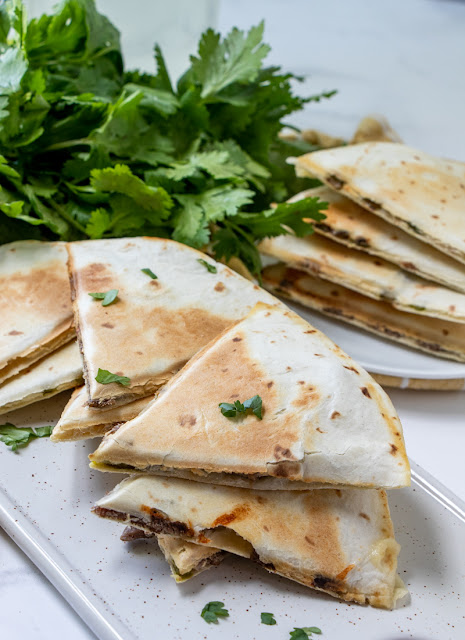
(16, 437)
(214, 610)
(231, 410)
(105, 377)
(209, 267)
(107, 297)
(267, 618)
(303, 633)
(150, 273)
(89, 150)
(413, 306)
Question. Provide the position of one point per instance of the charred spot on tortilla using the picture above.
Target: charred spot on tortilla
(393, 450)
(365, 392)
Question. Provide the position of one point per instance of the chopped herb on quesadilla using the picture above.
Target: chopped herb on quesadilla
(16, 437)
(150, 273)
(303, 633)
(214, 610)
(209, 267)
(267, 618)
(107, 297)
(231, 410)
(105, 377)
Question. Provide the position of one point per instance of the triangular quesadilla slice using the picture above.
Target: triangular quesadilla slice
(422, 194)
(79, 421)
(186, 559)
(372, 276)
(349, 224)
(337, 541)
(436, 337)
(171, 301)
(35, 300)
(323, 418)
(59, 371)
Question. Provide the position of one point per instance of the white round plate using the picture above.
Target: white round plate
(382, 356)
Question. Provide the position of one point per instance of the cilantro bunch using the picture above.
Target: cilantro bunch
(89, 150)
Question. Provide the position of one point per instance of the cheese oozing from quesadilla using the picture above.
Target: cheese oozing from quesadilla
(79, 421)
(337, 541)
(435, 337)
(349, 224)
(186, 559)
(159, 320)
(35, 299)
(422, 194)
(59, 371)
(325, 420)
(372, 276)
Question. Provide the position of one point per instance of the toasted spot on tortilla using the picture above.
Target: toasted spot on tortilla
(237, 514)
(219, 286)
(108, 325)
(187, 420)
(15, 333)
(342, 575)
(236, 339)
(393, 450)
(351, 369)
(365, 392)
(364, 515)
(283, 453)
(285, 469)
(335, 414)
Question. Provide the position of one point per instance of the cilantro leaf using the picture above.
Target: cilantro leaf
(150, 273)
(107, 297)
(267, 618)
(231, 410)
(214, 610)
(303, 633)
(209, 267)
(105, 377)
(16, 437)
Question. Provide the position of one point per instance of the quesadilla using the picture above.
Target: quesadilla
(79, 421)
(171, 301)
(57, 372)
(349, 224)
(436, 337)
(422, 194)
(35, 300)
(186, 559)
(324, 420)
(337, 541)
(372, 276)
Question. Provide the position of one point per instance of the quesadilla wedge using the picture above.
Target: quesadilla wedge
(337, 541)
(351, 225)
(372, 276)
(59, 371)
(35, 300)
(436, 337)
(171, 301)
(79, 421)
(323, 418)
(422, 194)
(186, 559)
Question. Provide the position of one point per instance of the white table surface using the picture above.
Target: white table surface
(403, 59)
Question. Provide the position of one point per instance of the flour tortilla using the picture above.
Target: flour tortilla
(372, 276)
(351, 225)
(325, 420)
(79, 421)
(35, 300)
(422, 194)
(337, 541)
(436, 337)
(186, 559)
(155, 325)
(59, 371)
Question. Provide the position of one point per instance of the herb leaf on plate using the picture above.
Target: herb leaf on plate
(214, 610)
(16, 437)
(267, 618)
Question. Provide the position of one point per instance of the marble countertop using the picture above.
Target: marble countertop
(404, 60)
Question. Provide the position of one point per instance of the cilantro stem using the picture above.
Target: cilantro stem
(68, 143)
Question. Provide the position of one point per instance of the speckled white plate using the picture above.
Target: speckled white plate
(125, 592)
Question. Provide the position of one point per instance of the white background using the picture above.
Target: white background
(404, 59)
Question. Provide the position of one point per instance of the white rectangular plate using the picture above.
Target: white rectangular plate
(125, 591)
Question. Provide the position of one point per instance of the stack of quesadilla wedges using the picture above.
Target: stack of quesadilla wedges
(289, 471)
(393, 243)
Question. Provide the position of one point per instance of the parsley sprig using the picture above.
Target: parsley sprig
(232, 410)
(89, 150)
(267, 618)
(105, 377)
(214, 610)
(17, 437)
(303, 633)
(107, 297)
